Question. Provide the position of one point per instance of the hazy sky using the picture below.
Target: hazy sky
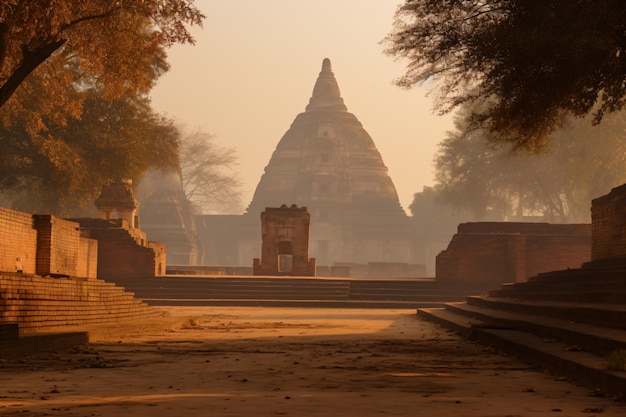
(254, 66)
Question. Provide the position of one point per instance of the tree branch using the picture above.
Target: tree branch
(32, 59)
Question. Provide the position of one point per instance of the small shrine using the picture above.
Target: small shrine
(116, 201)
(285, 247)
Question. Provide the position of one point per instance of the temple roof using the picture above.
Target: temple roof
(326, 158)
(326, 95)
(326, 161)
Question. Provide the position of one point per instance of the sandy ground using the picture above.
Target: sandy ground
(291, 362)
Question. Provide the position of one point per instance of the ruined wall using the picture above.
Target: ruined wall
(88, 258)
(492, 253)
(18, 242)
(44, 244)
(525, 228)
(608, 220)
(555, 252)
(160, 257)
(122, 252)
(58, 244)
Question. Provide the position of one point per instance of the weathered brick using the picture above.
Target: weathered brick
(493, 253)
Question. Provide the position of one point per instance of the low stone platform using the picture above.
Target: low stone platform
(33, 343)
(20, 344)
(293, 291)
(566, 321)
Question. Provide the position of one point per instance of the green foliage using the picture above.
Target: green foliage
(530, 62)
(496, 183)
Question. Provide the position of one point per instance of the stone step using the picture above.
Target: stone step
(596, 295)
(33, 326)
(288, 292)
(595, 339)
(251, 295)
(292, 289)
(240, 287)
(549, 285)
(580, 274)
(38, 303)
(45, 341)
(581, 366)
(605, 315)
(55, 314)
(9, 331)
(293, 295)
(257, 302)
(448, 297)
(565, 283)
(27, 303)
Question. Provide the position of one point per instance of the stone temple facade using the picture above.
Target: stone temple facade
(327, 162)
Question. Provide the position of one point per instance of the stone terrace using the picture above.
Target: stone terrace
(571, 321)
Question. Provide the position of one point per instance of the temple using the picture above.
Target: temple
(327, 162)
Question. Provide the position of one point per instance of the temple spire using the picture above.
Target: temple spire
(326, 95)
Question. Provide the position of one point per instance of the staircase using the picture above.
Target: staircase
(43, 304)
(292, 291)
(568, 321)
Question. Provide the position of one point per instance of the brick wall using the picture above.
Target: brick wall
(524, 228)
(160, 257)
(44, 244)
(88, 258)
(18, 242)
(493, 253)
(123, 252)
(58, 243)
(477, 258)
(120, 256)
(556, 252)
(608, 220)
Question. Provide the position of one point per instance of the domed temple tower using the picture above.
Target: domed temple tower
(327, 162)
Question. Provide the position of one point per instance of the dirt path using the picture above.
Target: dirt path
(294, 362)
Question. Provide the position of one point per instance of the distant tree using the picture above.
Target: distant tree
(209, 182)
(433, 223)
(530, 62)
(494, 183)
(119, 44)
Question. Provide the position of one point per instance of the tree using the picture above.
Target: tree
(74, 113)
(433, 223)
(53, 162)
(581, 163)
(120, 44)
(528, 62)
(206, 172)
